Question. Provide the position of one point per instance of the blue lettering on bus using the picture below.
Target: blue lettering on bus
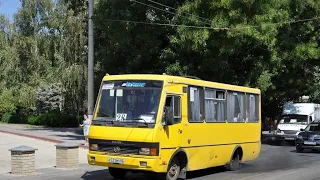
(135, 84)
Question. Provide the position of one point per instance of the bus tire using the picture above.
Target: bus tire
(117, 173)
(174, 169)
(235, 161)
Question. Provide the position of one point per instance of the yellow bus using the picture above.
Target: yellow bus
(170, 125)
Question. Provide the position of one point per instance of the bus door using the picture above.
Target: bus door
(173, 108)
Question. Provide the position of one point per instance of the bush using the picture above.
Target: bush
(54, 120)
(6, 117)
(16, 119)
(71, 121)
(21, 115)
(33, 120)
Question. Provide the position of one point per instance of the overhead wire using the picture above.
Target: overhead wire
(209, 28)
(151, 23)
(199, 17)
(166, 10)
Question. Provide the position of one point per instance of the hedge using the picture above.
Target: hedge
(47, 119)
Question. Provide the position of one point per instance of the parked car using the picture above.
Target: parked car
(309, 138)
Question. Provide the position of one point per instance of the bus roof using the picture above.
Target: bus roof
(181, 80)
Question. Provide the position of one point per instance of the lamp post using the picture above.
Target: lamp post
(90, 61)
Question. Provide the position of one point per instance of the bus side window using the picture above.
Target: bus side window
(252, 107)
(173, 108)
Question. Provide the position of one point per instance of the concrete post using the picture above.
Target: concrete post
(67, 155)
(23, 160)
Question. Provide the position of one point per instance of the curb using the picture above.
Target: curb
(39, 138)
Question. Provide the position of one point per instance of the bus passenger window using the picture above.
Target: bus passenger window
(220, 104)
(236, 107)
(252, 107)
(210, 109)
(196, 104)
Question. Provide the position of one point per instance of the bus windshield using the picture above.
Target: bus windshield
(129, 101)
(294, 119)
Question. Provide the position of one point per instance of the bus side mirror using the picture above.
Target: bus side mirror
(301, 129)
(168, 118)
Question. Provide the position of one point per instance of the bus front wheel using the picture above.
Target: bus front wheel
(117, 173)
(173, 170)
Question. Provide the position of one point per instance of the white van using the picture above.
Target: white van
(296, 116)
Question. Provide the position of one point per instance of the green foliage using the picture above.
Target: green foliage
(6, 117)
(13, 118)
(33, 120)
(7, 101)
(46, 45)
(277, 58)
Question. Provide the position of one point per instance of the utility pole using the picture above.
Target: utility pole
(90, 61)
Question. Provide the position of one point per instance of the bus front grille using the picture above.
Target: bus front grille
(122, 147)
(118, 150)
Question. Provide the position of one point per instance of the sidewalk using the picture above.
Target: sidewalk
(45, 156)
(84, 172)
(54, 135)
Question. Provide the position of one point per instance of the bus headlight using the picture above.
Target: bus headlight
(93, 147)
(148, 151)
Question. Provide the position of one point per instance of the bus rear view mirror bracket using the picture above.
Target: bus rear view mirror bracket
(301, 129)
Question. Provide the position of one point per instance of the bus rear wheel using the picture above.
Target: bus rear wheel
(234, 163)
(117, 173)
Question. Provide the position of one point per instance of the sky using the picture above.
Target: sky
(9, 7)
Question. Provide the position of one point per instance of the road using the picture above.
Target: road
(274, 163)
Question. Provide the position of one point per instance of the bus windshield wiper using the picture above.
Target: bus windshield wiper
(101, 114)
(102, 119)
(138, 119)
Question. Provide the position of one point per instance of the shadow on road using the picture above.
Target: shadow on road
(205, 172)
(104, 174)
(306, 151)
(277, 143)
(70, 137)
(71, 130)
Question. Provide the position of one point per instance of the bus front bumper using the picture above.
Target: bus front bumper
(127, 162)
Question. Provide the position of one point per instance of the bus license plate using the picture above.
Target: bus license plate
(310, 143)
(115, 161)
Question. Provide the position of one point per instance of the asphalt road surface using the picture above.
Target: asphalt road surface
(274, 162)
